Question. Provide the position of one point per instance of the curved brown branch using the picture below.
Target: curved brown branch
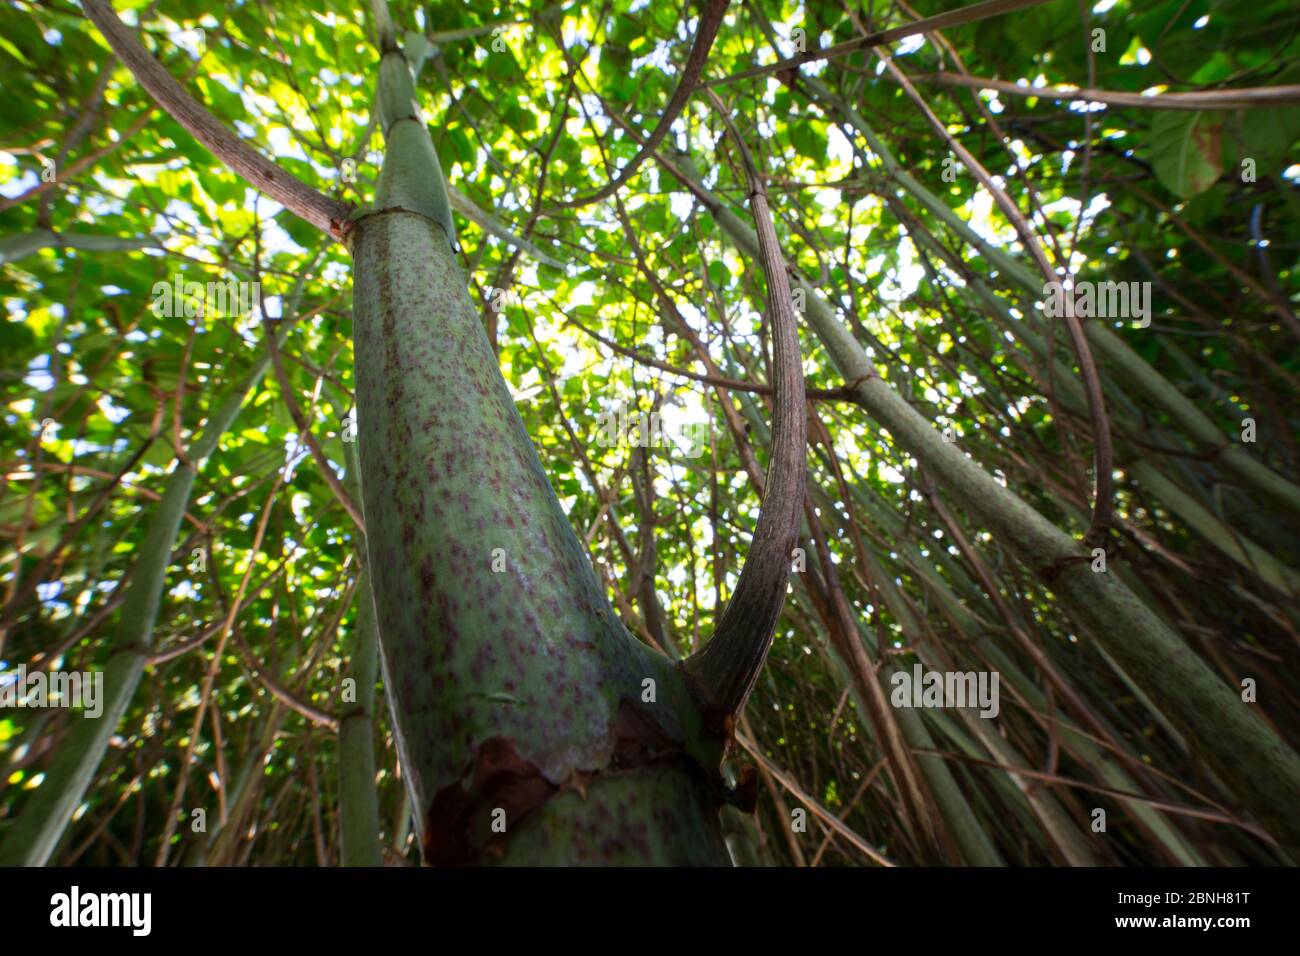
(723, 673)
(705, 33)
(299, 198)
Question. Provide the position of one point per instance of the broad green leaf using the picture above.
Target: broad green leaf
(1185, 150)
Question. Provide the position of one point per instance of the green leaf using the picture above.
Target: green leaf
(1185, 151)
(809, 140)
(1270, 133)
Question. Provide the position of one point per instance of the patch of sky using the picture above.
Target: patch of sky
(38, 375)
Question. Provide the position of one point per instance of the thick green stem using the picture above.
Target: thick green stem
(530, 725)
(498, 644)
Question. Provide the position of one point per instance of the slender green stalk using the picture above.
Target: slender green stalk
(1134, 371)
(1235, 740)
(1056, 823)
(1235, 545)
(972, 841)
(49, 809)
(21, 245)
(358, 799)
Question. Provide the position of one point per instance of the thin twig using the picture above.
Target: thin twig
(978, 11)
(1254, 97)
